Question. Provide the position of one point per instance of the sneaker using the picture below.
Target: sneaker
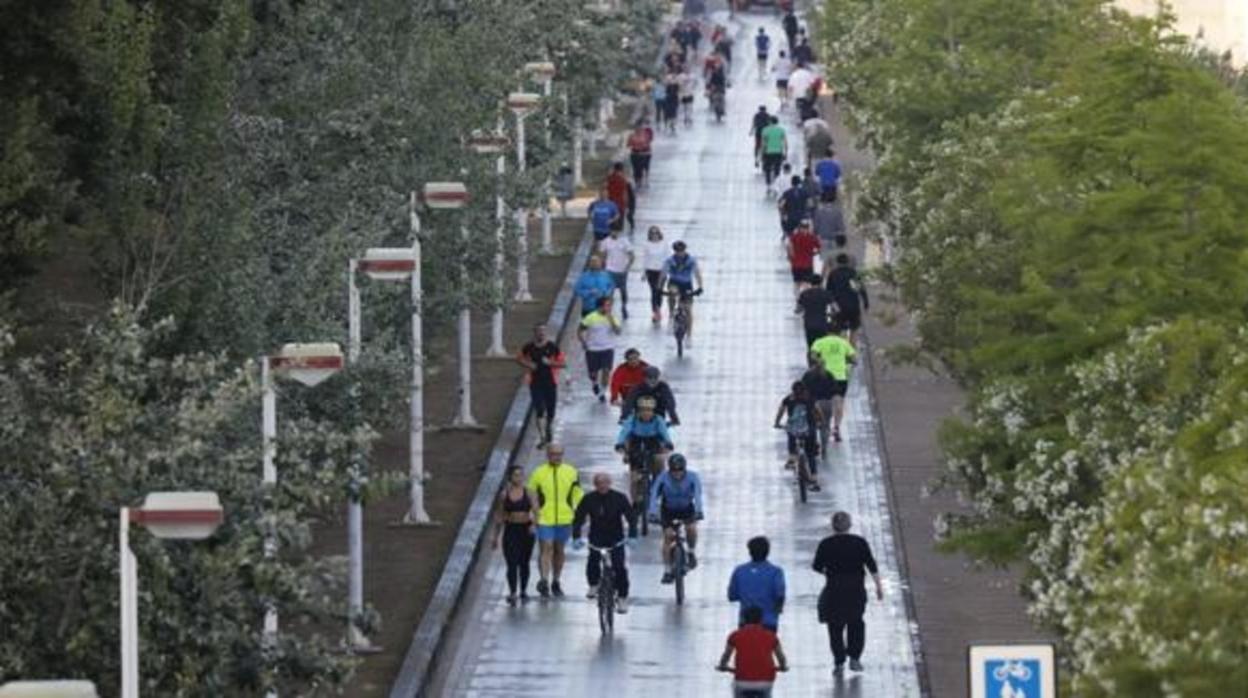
(855, 665)
(597, 390)
(602, 397)
(593, 592)
(839, 669)
(692, 560)
(624, 313)
(656, 317)
(556, 590)
(543, 589)
(790, 464)
(836, 435)
(511, 600)
(814, 487)
(621, 605)
(667, 578)
(524, 597)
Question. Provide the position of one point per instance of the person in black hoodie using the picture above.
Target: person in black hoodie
(607, 511)
(652, 387)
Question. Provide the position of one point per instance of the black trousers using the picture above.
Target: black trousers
(847, 634)
(593, 570)
(517, 551)
(655, 279)
(545, 396)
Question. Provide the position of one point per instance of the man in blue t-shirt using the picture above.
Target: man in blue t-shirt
(828, 170)
(602, 214)
(593, 285)
(759, 584)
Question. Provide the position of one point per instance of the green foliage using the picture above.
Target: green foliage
(1066, 189)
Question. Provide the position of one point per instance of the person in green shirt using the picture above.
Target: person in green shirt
(775, 146)
(836, 353)
(554, 491)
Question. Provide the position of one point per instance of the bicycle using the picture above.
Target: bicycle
(606, 588)
(681, 316)
(680, 560)
(801, 470)
(748, 692)
(641, 452)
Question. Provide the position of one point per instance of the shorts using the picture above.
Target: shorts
(782, 84)
(851, 319)
(600, 235)
(668, 516)
(762, 56)
(601, 360)
(814, 333)
(840, 388)
(810, 444)
(687, 99)
(802, 275)
(554, 534)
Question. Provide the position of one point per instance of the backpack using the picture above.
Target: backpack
(799, 419)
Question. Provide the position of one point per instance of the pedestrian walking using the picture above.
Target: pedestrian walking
(844, 559)
(597, 335)
(607, 512)
(543, 359)
(815, 305)
(671, 99)
(828, 221)
(817, 135)
(627, 375)
(775, 150)
(758, 657)
(790, 29)
(792, 205)
(617, 191)
(639, 143)
(565, 188)
(593, 285)
(658, 93)
(603, 214)
(828, 170)
(555, 489)
(654, 254)
(688, 85)
(516, 529)
(836, 353)
(619, 257)
(803, 247)
(632, 209)
(758, 584)
(849, 293)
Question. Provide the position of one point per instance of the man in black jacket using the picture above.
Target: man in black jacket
(652, 387)
(607, 511)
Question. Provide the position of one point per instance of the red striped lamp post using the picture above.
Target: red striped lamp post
(496, 143)
(522, 104)
(166, 515)
(544, 73)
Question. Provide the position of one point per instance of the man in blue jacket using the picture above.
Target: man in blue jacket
(677, 496)
(594, 283)
(643, 428)
(759, 583)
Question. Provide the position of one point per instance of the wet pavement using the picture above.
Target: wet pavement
(747, 349)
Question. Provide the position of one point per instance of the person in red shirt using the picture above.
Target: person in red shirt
(627, 375)
(759, 655)
(803, 247)
(639, 151)
(617, 191)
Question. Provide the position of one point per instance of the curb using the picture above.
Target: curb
(422, 653)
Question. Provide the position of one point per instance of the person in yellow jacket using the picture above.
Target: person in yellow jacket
(555, 489)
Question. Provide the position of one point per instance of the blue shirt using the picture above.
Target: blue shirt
(601, 213)
(683, 494)
(591, 286)
(655, 428)
(762, 42)
(680, 271)
(829, 172)
(758, 584)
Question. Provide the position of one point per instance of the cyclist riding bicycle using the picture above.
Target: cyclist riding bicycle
(607, 512)
(643, 432)
(680, 271)
(676, 496)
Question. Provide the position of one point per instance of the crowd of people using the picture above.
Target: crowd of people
(550, 509)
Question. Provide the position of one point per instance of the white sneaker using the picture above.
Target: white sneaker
(593, 592)
(621, 605)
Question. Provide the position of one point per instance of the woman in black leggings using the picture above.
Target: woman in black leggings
(514, 526)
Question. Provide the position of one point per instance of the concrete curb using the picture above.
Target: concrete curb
(422, 653)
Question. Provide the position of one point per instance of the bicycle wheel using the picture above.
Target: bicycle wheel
(606, 601)
(643, 504)
(680, 340)
(801, 476)
(678, 573)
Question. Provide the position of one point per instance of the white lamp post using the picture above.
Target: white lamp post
(48, 689)
(309, 364)
(544, 72)
(522, 104)
(453, 195)
(167, 515)
(484, 143)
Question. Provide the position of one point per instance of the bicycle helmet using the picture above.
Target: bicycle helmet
(653, 373)
(676, 461)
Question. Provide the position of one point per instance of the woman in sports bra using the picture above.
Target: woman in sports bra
(514, 526)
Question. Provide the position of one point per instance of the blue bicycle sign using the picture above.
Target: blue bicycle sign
(1012, 671)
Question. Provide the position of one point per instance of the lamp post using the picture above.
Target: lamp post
(167, 515)
(309, 364)
(484, 143)
(544, 72)
(522, 104)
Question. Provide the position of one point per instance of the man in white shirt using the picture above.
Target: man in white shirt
(781, 70)
(800, 82)
(619, 259)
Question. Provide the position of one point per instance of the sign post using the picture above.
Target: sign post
(1012, 671)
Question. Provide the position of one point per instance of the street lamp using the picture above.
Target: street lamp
(309, 364)
(48, 689)
(544, 72)
(496, 143)
(170, 516)
(522, 104)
